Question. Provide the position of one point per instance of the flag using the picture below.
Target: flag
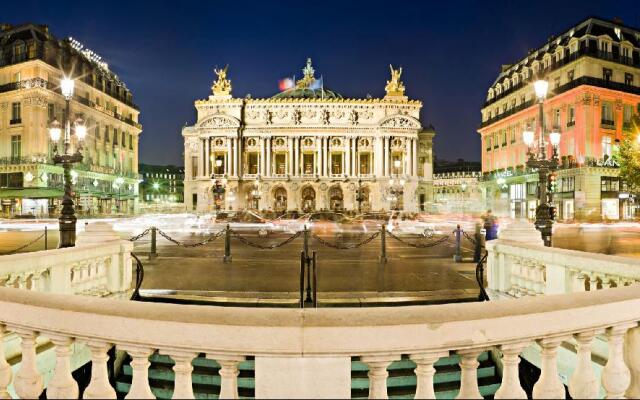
(285, 84)
(317, 84)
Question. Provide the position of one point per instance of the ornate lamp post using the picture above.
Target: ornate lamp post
(359, 196)
(396, 185)
(67, 158)
(117, 184)
(538, 160)
(218, 192)
(255, 193)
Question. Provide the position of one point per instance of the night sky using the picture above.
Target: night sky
(450, 51)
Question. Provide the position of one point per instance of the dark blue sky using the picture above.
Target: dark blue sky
(451, 51)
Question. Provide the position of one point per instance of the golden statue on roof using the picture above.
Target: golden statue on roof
(395, 87)
(308, 76)
(222, 85)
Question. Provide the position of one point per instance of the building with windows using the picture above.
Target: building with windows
(307, 148)
(32, 63)
(161, 186)
(457, 188)
(593, 70)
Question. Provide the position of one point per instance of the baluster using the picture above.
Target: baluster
(540, 283)
(632, 359)
(549, 386)
(510, 387)
(606, 282)
(140, 365)
(62, 385)
(577, 281)
(424, 373)
(99, 387)
(593, 282)
(28, 381)
(469, 374)
(228, 374)
(5, 369)
(616, 377)
(183, 386)
(516, 267)
(583, 383)
(378, 375)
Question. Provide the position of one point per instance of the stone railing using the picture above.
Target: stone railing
(100, 265)
(308, 353)
(516, 269)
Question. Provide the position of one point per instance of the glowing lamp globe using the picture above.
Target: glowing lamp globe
(396, 163)
(66, 86)
(527, 137)
(554, 138)
(81, 130)
(540, 87)
(55, 131)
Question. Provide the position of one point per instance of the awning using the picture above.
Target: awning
(31, 193)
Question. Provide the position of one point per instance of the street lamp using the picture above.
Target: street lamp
(359, 196)
(545, 211)
(255, 193)
(118, 185)
(218, 191)
(67, 219)
(396, 185)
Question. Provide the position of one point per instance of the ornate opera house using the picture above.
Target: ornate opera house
(307, 148)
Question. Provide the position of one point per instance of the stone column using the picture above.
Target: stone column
(386, 155)
(236, 157)
(207, 158)
(262, 161)
(407, 157)
(510, 387)
(378, 374)
(290, 156)
(228, 158)
(318, 160)
(378, 157)
(347, 157)
(327, 161)
(469, 374)
(269, 169)
(140, 388)
(183, 387)
(424, 373)
(414, 169)
(201, 157)
(228, 374)
(28, 382)
(616, 376)
(583, 384)
(549, 385)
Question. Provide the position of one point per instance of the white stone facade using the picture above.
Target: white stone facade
(306, 154)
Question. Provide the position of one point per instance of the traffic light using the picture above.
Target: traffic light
(552, 184)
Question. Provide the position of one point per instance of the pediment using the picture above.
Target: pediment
(401, 122)
(219, 121)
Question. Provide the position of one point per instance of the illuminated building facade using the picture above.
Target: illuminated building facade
(593, 70)
(457, 187)
(161, 184)
(32, 62)
(307, 148)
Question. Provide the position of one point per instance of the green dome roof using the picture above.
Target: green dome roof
(306, 93)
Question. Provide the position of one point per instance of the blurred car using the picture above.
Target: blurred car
(290, 222)
(243, 221)
(323, 223)
(367, 222)
(401, 222)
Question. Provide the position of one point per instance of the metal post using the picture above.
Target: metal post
(302, 262)
(458, 232)
(383, 241)
(306, 242)
(315, 280)
(153, 253)
(227, 245)
(46, 238)
(308, 266)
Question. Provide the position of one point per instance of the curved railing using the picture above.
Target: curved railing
(307, 353)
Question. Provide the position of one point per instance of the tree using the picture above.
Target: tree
(629, 156)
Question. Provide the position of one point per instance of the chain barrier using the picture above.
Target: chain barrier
(267, 247)
(345, 246)
(419, 245)
(469, 237)
(14, 251)
(140, 236)
(210, 239)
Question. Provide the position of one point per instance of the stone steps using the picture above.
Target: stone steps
(401, 382)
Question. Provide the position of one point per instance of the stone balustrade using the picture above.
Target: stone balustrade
(307, 353)
(96, 267)
(517, 269)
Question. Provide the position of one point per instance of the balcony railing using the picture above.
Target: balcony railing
(568, 58)
(317, 346)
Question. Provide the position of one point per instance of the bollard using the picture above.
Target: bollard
(383, 242)
(315, 280)
(307, 263)
(227, 245)
(46, 238)
(477, 252)
(153, 253)
(458, 232)
(306, 242)
(302, 262)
